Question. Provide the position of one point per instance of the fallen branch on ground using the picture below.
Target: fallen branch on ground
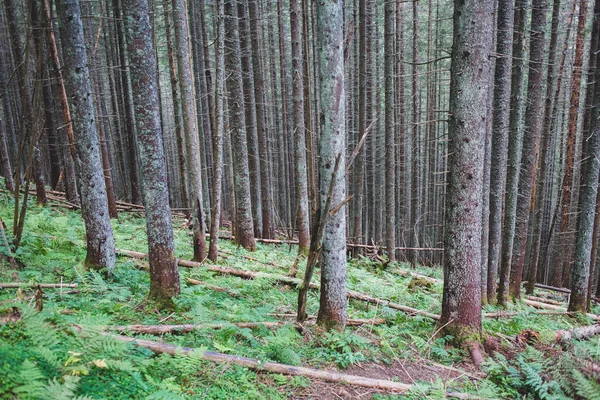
(544, 300)
(277, 368)
(537, 304)
(286, 280)
(250, 258)
(295, 282)
(583, 332)
(552, 288)
(35, 285)
(213, 287)
(184, 328)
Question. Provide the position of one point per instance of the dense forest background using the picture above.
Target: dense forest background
(364, 134)
(398, 178)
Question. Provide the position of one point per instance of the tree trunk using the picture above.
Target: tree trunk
(330, 42)
(299, 129)
(500, 135)
(471, 74)
(515, 143)
(190, 128)
(390, 134)
(268, 230)
(164, 275)
(580, 273)
(531, 140)
(99, 235)
(562, 264)
(218, 134)
(239, 142)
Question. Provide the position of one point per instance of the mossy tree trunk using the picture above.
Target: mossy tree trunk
(94, 206)
(190, 127)
(239, 142)
(332, 117)
(471, 75)
(164, 275)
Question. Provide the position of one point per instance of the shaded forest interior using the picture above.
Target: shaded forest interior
(395, 136)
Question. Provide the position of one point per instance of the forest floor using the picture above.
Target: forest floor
(59, 352)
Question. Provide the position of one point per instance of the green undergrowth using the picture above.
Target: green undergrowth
(58, 353)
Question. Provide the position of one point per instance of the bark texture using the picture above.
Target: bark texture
(239, 140)
(332, 118)
(190, 127)
(580, 273)
(164, 275)
(94, 207)
(531, 142)
(470, 77)
(500, 134)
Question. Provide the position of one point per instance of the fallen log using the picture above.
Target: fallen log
(348, 244)
(582, 332)
(250, 258)
(184, 328)
(544, 300)
(552, 288)
(213, 287)
(287, 281)
(277, 368)
(538, 304)
(35, 285)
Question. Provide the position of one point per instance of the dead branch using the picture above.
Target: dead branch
(213, 287)
(41, 285)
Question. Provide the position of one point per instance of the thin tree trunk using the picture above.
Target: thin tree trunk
(218, 134)
(515, 143)
(390, 134)
(500, 136)
(562, 268)
(268, 230)
(190, 128)
(580, 273)
(299, 129)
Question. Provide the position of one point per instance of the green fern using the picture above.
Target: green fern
(586, 388)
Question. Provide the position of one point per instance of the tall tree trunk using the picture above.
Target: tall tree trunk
(561, 270)
(390, 134)
(239, 141)
(415, 209)
(128, 105)
(515, 144)
(181, 156)
(250, 115)
(531, 140)
(99, 235)
(580, 273)
(164, 275)
(500, 135)
(268, 230)
(330, 42)
(299, 128)
(544, 184)
(218, 133)
(190, 128)
(471, 75)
